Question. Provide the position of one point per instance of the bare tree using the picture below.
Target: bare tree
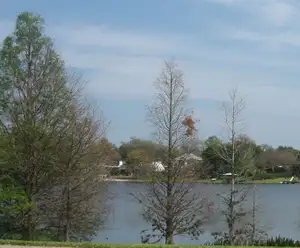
(240, 159)
(171, 205)
(75, 206)
(256, 230)
(270, 159)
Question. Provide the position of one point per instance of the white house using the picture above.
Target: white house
(229, 174)
(158, 166)
(121, 164)
(188, 157)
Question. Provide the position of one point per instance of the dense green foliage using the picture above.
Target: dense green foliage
(282, 242)
(270, 163)
(277, 241)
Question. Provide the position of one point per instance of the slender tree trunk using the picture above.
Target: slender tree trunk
(67, 233)
(231, 222)
(67, 225)
(28, 229)
(169, 238)
(253, 217)
(30, 119)
(169, 220)
(231, 204)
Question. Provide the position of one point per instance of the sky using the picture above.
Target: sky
(119, 48)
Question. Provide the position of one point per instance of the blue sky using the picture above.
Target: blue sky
(119, 47)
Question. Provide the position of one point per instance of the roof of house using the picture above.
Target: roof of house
(229, 174)
(158, 166)
(189, 156)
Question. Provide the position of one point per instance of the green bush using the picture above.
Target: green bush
(278, 241)
(282, 242)
(114, 172)
(265, 175)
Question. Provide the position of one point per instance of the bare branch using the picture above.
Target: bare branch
(240, 158)
(171, 205)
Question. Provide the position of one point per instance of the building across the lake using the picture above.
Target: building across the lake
(188, 157)
(158, 165)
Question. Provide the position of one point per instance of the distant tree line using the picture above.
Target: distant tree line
(270, 162)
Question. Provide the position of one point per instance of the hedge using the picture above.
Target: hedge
(99, 245)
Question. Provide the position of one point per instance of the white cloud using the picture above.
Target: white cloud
(266, 12)
(124, 40)
(279, 13)
(209, 73)
(269, 40)
(226, 1)
(124, 63)
(270, 25)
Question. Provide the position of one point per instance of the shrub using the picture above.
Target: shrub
(282, 241)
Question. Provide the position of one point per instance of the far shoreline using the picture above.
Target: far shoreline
(204, 181)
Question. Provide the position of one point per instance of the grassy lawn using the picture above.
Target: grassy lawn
(270, 181)
(265, 181)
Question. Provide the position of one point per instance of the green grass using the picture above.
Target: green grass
(270, 181)
(100, 245)
(266, 181)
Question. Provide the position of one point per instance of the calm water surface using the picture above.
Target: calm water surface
(279, 212)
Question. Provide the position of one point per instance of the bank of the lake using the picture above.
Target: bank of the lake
(263, 181)
(41, 244)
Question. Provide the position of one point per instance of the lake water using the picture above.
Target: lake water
(279, 212)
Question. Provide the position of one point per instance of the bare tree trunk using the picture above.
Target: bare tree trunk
(253, 233)
(68, 209)
(169, 219)
(28, 228)
(232, 140)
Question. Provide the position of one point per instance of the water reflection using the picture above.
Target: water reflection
(277, 215)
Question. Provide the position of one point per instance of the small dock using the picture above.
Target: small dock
(288, 182)
(291, 181)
